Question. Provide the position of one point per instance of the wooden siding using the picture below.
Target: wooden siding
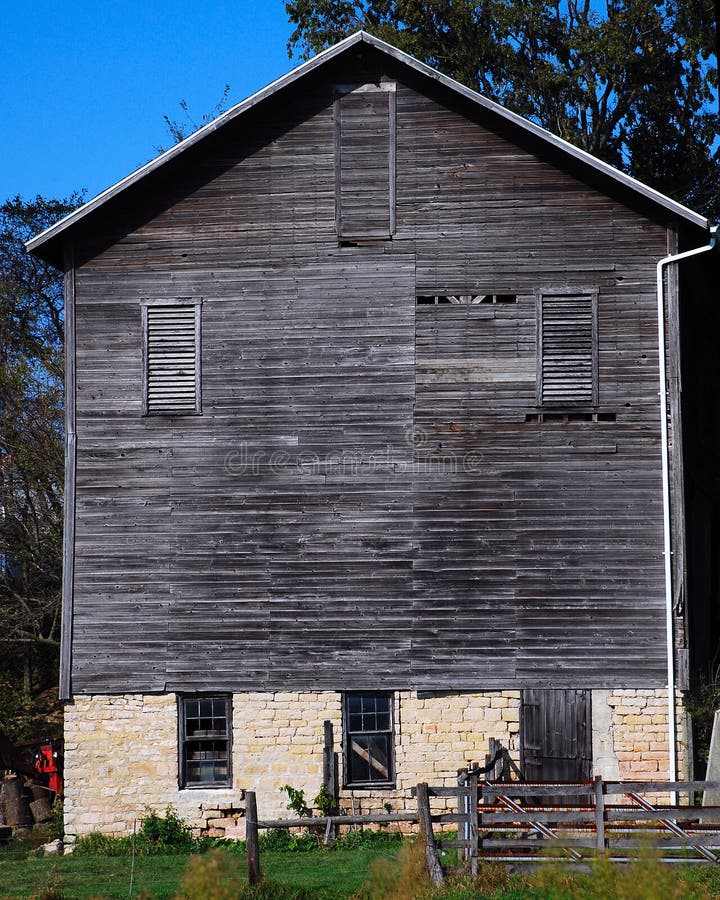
(366, 500)
(365, 161)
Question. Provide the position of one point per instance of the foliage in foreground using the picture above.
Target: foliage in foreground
(219, 874)
(170, 834)
(156, 835)
(645, 879)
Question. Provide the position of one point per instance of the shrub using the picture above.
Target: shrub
(324, 801)
(156, 835)
(97, 844)
(365, 838)
(160, 834)
(701, 704)
(56, 824)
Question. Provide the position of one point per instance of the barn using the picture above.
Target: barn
(372, 420)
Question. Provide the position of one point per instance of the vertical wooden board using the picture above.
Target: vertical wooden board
(365, 162)
(555, 727)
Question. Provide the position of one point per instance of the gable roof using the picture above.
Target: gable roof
(43, 243)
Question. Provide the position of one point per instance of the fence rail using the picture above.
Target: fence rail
(528, 821)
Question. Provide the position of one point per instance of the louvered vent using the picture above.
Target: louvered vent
(172, 358)
(567, 348)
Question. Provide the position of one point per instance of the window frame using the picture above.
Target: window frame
(184, 740)
(196, 303)
(347, 736)
(566, 291)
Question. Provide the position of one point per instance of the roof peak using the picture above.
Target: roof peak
(41, 241)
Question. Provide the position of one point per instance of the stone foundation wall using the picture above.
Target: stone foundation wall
(121, 760)
(121, 752)
(640, 734)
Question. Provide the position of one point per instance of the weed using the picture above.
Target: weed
(56, 823)
(51, 890)
(325, 802)
(401, 878)
(296, 801)
(215, 874)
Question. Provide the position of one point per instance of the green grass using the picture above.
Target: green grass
(341, 874)
(325, 875)
(91, 876)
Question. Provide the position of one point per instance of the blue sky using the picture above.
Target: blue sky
(85, 85)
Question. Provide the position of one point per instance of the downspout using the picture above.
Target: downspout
(667, 546)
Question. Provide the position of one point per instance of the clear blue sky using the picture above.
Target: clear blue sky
(85, 84)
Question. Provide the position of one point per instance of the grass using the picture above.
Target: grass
(323, 875)
(364, 873)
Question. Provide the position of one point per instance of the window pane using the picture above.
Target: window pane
(379, 750)
(205, 741)
(355, 722)
(206, 761)
(359, 759)
(368, 737)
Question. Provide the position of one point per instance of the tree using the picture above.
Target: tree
(631, 81)
(31, 437)
(179, 129)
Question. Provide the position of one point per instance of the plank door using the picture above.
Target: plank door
(556, 735)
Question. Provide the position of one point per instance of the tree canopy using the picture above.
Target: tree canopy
(31, 429)
(631, 81)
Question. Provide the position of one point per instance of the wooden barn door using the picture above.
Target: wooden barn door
(556, 735)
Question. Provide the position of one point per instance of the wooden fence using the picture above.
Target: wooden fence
(536, 821)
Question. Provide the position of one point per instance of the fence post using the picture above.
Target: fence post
(432, 859)
(330, 775)
(473, 824)
(600, 813)
(463, 809)
(251, 838)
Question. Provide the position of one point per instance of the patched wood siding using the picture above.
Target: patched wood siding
(365, 161)
(366, 499)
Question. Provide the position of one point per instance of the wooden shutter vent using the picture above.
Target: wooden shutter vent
(365, 161)
(172, 358)
(567, 347)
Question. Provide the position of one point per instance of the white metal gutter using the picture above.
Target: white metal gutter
(667, 545)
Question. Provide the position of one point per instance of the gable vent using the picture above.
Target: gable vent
(567, 348)
(172, 358)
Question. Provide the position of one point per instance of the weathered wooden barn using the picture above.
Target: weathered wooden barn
(363, 425)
